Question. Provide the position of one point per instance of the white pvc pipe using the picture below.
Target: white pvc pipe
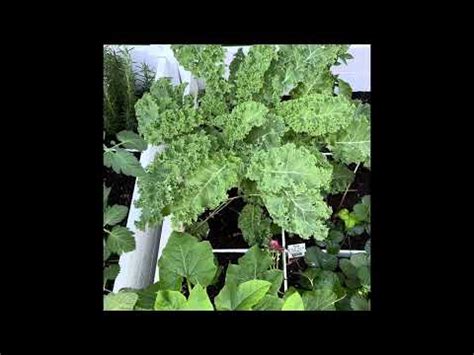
(243, 251)
(285, 273)
(342, 253)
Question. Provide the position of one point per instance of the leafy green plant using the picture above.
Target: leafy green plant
(238, 132)
(282, 130)
(358, 220)
(119, 239)
(122, 88)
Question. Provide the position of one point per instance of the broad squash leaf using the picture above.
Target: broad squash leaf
(122, 301)
(293, 303)
(359, 303)
(185, 257)
(322, 299)
(316, 258)
(242, 297)
(169, 301)
(198, 300)
(269, 303)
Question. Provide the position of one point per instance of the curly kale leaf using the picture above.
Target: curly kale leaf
(254, 225)
(269, 134)
(235, 65)
(352, 143)
(304, 214)
(288, 167)
(249, 76)
(317, 114)
(205, 188)
(206, 62)
(237, 124)
(341, 178)
(166, 175)
(158, 126)
(290, 180)
(295, 64)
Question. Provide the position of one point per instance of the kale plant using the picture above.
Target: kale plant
(274, 128)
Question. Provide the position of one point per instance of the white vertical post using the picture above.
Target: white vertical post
(285, 276)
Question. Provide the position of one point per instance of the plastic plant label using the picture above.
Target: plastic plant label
(297, 250)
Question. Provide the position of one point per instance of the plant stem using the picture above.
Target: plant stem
(115, 146)
(347, 188)
(218, 209)
(189, 286)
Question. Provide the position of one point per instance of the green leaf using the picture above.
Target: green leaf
(252, 265)
(199, 300)
(205, 188)
(278, 169)
(242, 297)
(308, 278)
(275, 277)
(169, 301)
(114, 215)
(293, 303)
(122, 301)
(317, 114)
(316, 258)
(106, 251)
(184, 256)
(111, 272)
(106, 195)
(237, 125)
(350, 220)
(361, 210)
(348, 268)
(269, 303)
(359, 303)
(164, 183)
(301, 214)
(344, 89)
(122, 161)
(147, 296)
(367, 247)
(352, 144)
(174, 300)
(363, 273)
(322, 299)
(290, 180)
(120, 240)
(341, 178)
(131, 140)
(269, 134)
(359, 260)
(254, 225)
(249, 77)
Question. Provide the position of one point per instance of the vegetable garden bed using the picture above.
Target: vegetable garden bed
(230, 246)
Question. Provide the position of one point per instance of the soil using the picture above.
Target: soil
(223, 230)
(361, 95)
(122, 186)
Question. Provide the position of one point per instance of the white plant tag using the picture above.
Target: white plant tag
(297, 250)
